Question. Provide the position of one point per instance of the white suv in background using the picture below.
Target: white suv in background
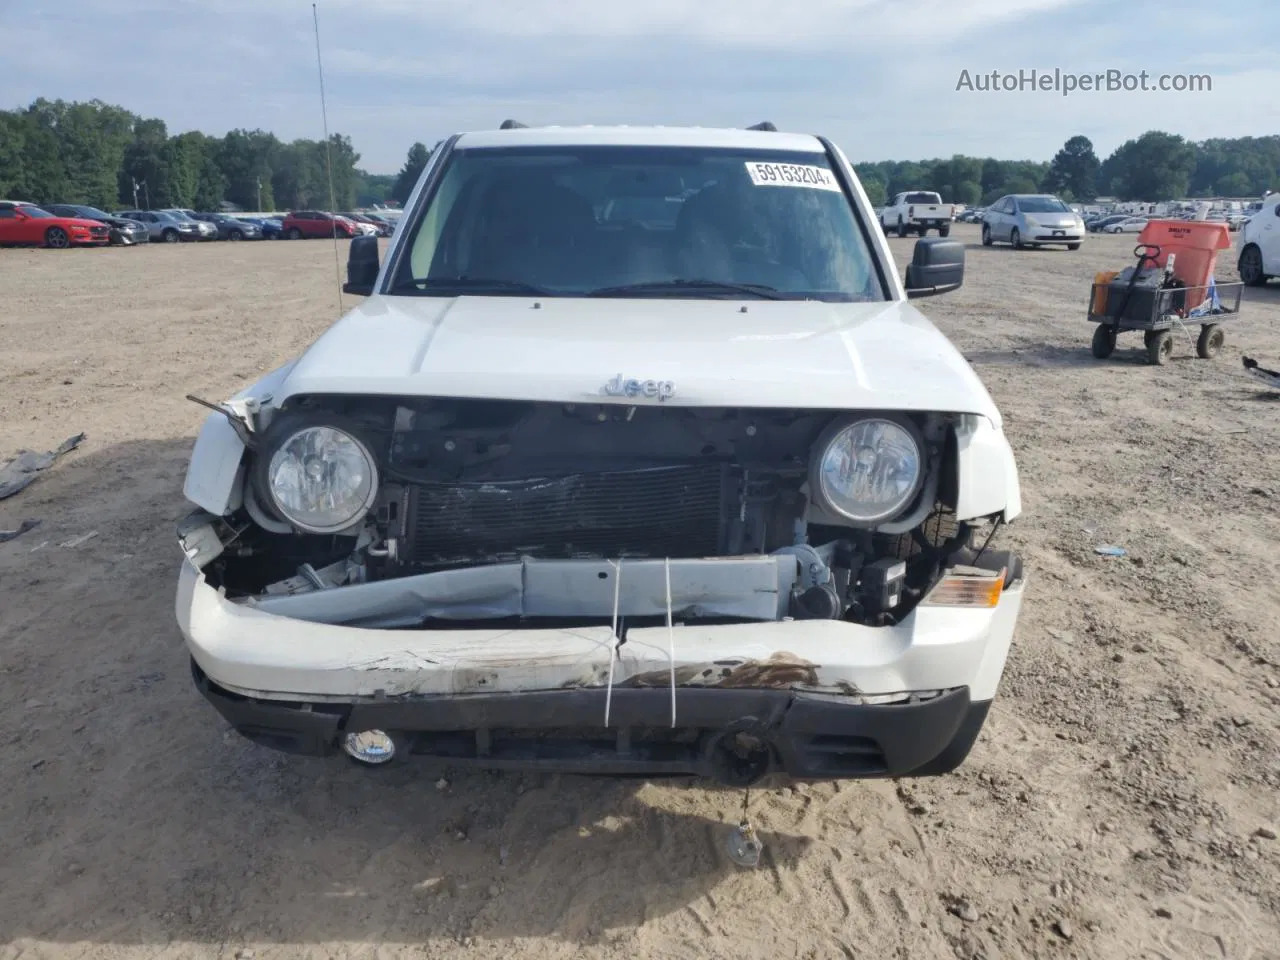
(1260, 244)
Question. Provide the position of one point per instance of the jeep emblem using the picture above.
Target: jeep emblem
(621, 386)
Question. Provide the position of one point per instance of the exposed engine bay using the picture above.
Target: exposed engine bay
(486, 511)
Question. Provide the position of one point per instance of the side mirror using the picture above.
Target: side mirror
(937, 266)
(362, 266)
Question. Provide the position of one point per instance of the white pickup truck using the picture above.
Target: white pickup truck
(917, 211)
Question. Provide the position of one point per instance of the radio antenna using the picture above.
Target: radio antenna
(328, 160)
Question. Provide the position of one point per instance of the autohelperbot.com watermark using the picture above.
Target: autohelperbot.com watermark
(1064, 83)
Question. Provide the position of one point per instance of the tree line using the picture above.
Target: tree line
(100, 154)
(1153, 167)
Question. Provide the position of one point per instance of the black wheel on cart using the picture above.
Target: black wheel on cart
(1104, 341)
(1159, 347)
(1210, 343)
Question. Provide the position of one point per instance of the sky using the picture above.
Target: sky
(879, 77)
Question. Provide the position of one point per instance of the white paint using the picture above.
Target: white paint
(260, 654)
(788, 354)
(214, 477)
(791, 175)
(1263, 231)
(613, 136)
(988, 473)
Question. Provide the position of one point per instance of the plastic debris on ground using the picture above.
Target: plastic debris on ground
(20, 472)
(1107, 550)
(1270, 377)
(743, 845)
(23, 527)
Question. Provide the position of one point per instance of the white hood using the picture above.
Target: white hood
(842, 356)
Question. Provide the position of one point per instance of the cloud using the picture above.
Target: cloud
(814, 24)
(877, 76)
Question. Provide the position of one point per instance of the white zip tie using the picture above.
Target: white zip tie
(671, 642)
(616, 641)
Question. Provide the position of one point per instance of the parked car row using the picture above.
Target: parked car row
(61, 225)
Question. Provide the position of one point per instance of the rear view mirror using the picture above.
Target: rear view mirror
(937, 266)
(362, 266)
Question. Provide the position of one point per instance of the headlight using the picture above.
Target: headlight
(869, 470)
(322, 480)
(1032, 222)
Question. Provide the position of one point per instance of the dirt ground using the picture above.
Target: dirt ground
(1122, 801)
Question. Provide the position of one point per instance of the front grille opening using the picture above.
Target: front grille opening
(658, 512)
(652, 745)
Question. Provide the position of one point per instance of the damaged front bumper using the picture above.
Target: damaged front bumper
(813, 698)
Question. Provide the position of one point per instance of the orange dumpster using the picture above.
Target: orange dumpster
(1195, 244)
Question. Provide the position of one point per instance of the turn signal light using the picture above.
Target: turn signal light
(970, 589)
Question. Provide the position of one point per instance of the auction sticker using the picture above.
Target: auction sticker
(791, 175)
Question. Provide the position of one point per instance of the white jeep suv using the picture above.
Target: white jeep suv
(635, 460)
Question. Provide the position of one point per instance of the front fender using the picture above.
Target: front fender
(215, 474)
(986, 473)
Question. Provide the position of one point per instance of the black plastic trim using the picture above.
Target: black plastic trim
(443, 149)
(833, 157)
(805, 735)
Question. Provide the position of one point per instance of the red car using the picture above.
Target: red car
(25, 224)
(302, 224)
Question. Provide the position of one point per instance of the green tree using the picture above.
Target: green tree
(877, 195)
(958, 180)
(410, 172)
(1155, 166)
(1236, 184)
(1073, 170)
(144, 164)
(44, 172)
(246, 159)
(373, 188)
(91, 140)
(343, 159)
(184, 160)
(13, 165)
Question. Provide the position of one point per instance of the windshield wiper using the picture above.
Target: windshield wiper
(469, 285)
(678, 286)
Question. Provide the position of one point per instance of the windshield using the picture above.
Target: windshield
(638, 221)
(923, 198)
(1042, 205)
(175, 214)
(37, 212)
(93, 213)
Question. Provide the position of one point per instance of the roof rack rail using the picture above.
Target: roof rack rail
(764, 125)
(512, 125)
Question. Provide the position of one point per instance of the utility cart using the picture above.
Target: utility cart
(1171, 287)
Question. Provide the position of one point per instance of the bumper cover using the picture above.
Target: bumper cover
(805, 735)
(256, 653)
